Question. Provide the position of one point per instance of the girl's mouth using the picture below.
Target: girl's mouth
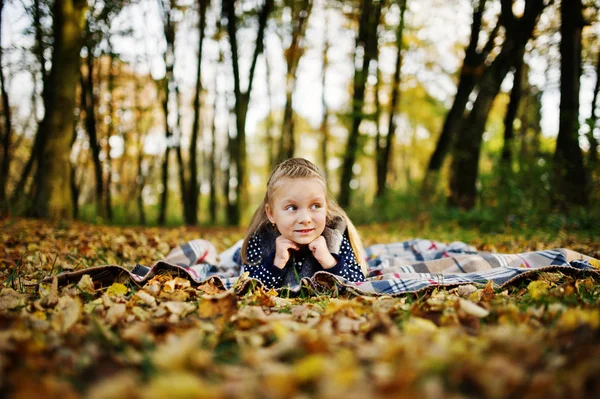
(304, 231)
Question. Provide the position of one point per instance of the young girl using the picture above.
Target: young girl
(299, 230)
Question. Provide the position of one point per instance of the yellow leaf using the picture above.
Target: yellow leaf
(538, 289)
(116, 289)
(573, 318)
(179, 385)
(278, 381)
(220, 305)
(124, 384)
(418, 325)
(310, 367)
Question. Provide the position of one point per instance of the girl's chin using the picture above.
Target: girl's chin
(304, 239)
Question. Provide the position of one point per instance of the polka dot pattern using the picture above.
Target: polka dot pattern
(263, 269)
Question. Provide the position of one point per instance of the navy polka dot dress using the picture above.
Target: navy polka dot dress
(272, 276)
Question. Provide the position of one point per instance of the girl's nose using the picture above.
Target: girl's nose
(303, 217)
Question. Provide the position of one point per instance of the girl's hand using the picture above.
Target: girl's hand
(321, 253)
(282, 253)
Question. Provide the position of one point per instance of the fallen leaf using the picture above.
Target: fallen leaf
(538, 288)
(66, 313)
(180, 309)
(86, 284)
(221, 305)
(472, 309)
(11, 299)
(146, 298)
(115, 313)
(116, 289)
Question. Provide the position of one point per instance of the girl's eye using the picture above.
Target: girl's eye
(316, 206)
(291, 208)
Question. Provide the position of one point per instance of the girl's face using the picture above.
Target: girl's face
(298, 208)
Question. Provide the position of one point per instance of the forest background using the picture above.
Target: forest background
(173, 112)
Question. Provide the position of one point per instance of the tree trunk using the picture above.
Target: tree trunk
(593, 152)
(466, 150)
(470, 74)
(270, 139)
(212, 199)
(89, 103)
(367, 40)
(324, 129)
(53, 191)
(193, 189)
(75, 185)
(300, 15)
(511, 113)
(109, 133)
(39, 51)
(238, 148)
(230, 204)
(569, 171)
(7, 131)
(183, 181)
(169, 59)
(140, 176)
(384, 154)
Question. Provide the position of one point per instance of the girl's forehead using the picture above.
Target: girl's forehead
(285, 184)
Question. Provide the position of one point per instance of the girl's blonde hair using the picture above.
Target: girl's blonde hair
(300, 168)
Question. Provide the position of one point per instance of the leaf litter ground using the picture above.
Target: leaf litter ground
(170, 338)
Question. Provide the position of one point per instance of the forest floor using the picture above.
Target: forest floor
(537, 338)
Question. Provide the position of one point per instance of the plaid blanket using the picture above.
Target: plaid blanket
(394, 269)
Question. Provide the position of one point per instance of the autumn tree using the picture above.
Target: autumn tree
(52, 197)
(38, 12)
(592, 120)
(237, 157)
(166, 84)
(191, 195)
(384, 148)
(300, 11)
(365, 52)
(469, 75)
(96, 31)
(324, 127)
(511, 113)
(5, 127)
(569, 172)
(467, 147)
